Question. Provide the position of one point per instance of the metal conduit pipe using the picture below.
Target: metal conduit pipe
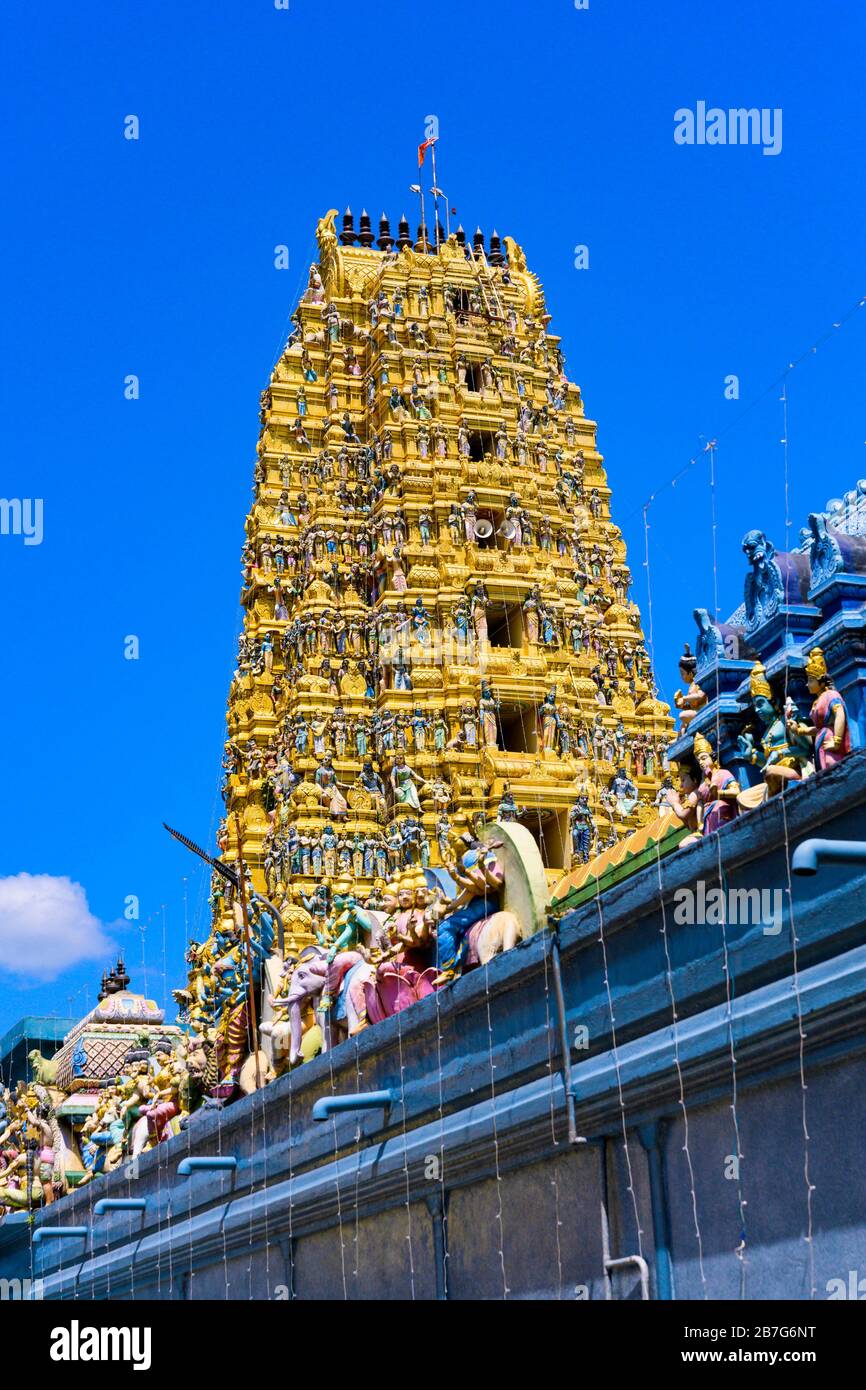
(214, 1163)
(633, 1261)
(436, 1205)
(565, 1050)
(649, 1137)
(326, 1106)
(609, 1264)
(810, 853)
(60, 1233)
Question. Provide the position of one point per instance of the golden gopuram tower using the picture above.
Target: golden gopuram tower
(437, 629)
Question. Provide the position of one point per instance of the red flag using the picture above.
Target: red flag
(422, 150)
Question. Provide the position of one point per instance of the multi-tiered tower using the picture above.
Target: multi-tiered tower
(437, 619)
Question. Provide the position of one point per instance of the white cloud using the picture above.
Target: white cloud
(46, 926)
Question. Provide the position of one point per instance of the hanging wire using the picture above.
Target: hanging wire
(499, 1209)
(680, 1083)
(795, 976)
(710, 449)
(778, 381)
(552, 1042)
(406, 1153)
(669, 978)
(330, 1056)
(615, 1054)
(294, 298)
(358, 1136)
(543, 848)
(290, 1235)
(443, 1194)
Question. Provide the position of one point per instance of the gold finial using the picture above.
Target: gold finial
(816, 666)
(758, 683)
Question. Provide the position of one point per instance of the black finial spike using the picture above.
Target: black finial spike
(404, 237)
(461, 236)
(347, 235)
(386, 241)
(478, 239)
(423, 242)
(365, 231)
(496, 257)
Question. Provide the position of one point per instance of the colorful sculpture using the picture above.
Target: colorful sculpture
(693, 698)
(828, 726)
(581, 824)
(786, 753)
(716, 797)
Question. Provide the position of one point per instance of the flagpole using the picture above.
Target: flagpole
(435, 195)
(416, 188)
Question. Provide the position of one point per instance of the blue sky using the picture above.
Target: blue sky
(156, 257)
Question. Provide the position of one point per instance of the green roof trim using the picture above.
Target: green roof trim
(632, 864)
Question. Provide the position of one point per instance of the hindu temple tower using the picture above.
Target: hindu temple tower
(437, 618)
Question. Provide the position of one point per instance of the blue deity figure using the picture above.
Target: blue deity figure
(786, 752)
(581, 825)
(369, 858)
(402, 676)
(318, 905)
(508, 809)
(419, 724)
(302, 734)
(381, 858)
(421, 621)
(549, 635)
(625, 792)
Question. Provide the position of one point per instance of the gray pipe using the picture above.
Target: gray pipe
(649, 1138)
(808, 854)
(119, 1204)
(565, 1050)
(326, 1106)
(60, 1233)
(213, 1163)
